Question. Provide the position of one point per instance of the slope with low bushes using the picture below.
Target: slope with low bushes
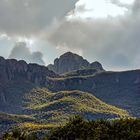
(60, 106)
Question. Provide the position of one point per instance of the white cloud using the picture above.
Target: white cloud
(100, 9)
(127, 1)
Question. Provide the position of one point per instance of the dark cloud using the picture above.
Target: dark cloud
(113, 41)
(22, 52)
(29, 17)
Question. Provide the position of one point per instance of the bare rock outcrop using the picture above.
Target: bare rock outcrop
(70, 62)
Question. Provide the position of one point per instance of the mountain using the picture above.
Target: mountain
(70, 62)
(33, 96)
(29, 98)
(116, 88)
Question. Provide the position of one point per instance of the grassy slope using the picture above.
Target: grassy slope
(58, 107)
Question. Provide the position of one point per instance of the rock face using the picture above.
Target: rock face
(70, 62)
(12, 69)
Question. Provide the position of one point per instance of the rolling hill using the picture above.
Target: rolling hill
(59, 106)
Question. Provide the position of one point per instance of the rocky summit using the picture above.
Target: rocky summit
(70, 62)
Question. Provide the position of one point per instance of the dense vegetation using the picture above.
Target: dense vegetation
(80, 129)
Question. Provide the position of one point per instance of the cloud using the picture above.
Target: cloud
(136, 8)
(29, 17)
(113, 41)
(121, 3)
(22, 52)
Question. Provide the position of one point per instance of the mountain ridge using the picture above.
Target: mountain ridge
(29, 89)
(10, 68)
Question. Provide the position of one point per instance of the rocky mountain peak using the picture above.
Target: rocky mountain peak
(70, 62)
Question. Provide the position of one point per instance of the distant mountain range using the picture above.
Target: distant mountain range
(39, 94)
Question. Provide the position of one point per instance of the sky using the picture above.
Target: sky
(39, 31)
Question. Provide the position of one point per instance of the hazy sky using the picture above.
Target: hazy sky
(100, 30)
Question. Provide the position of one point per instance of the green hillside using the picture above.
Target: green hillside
(60, 106)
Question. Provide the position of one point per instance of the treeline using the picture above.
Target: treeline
(80, 129)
